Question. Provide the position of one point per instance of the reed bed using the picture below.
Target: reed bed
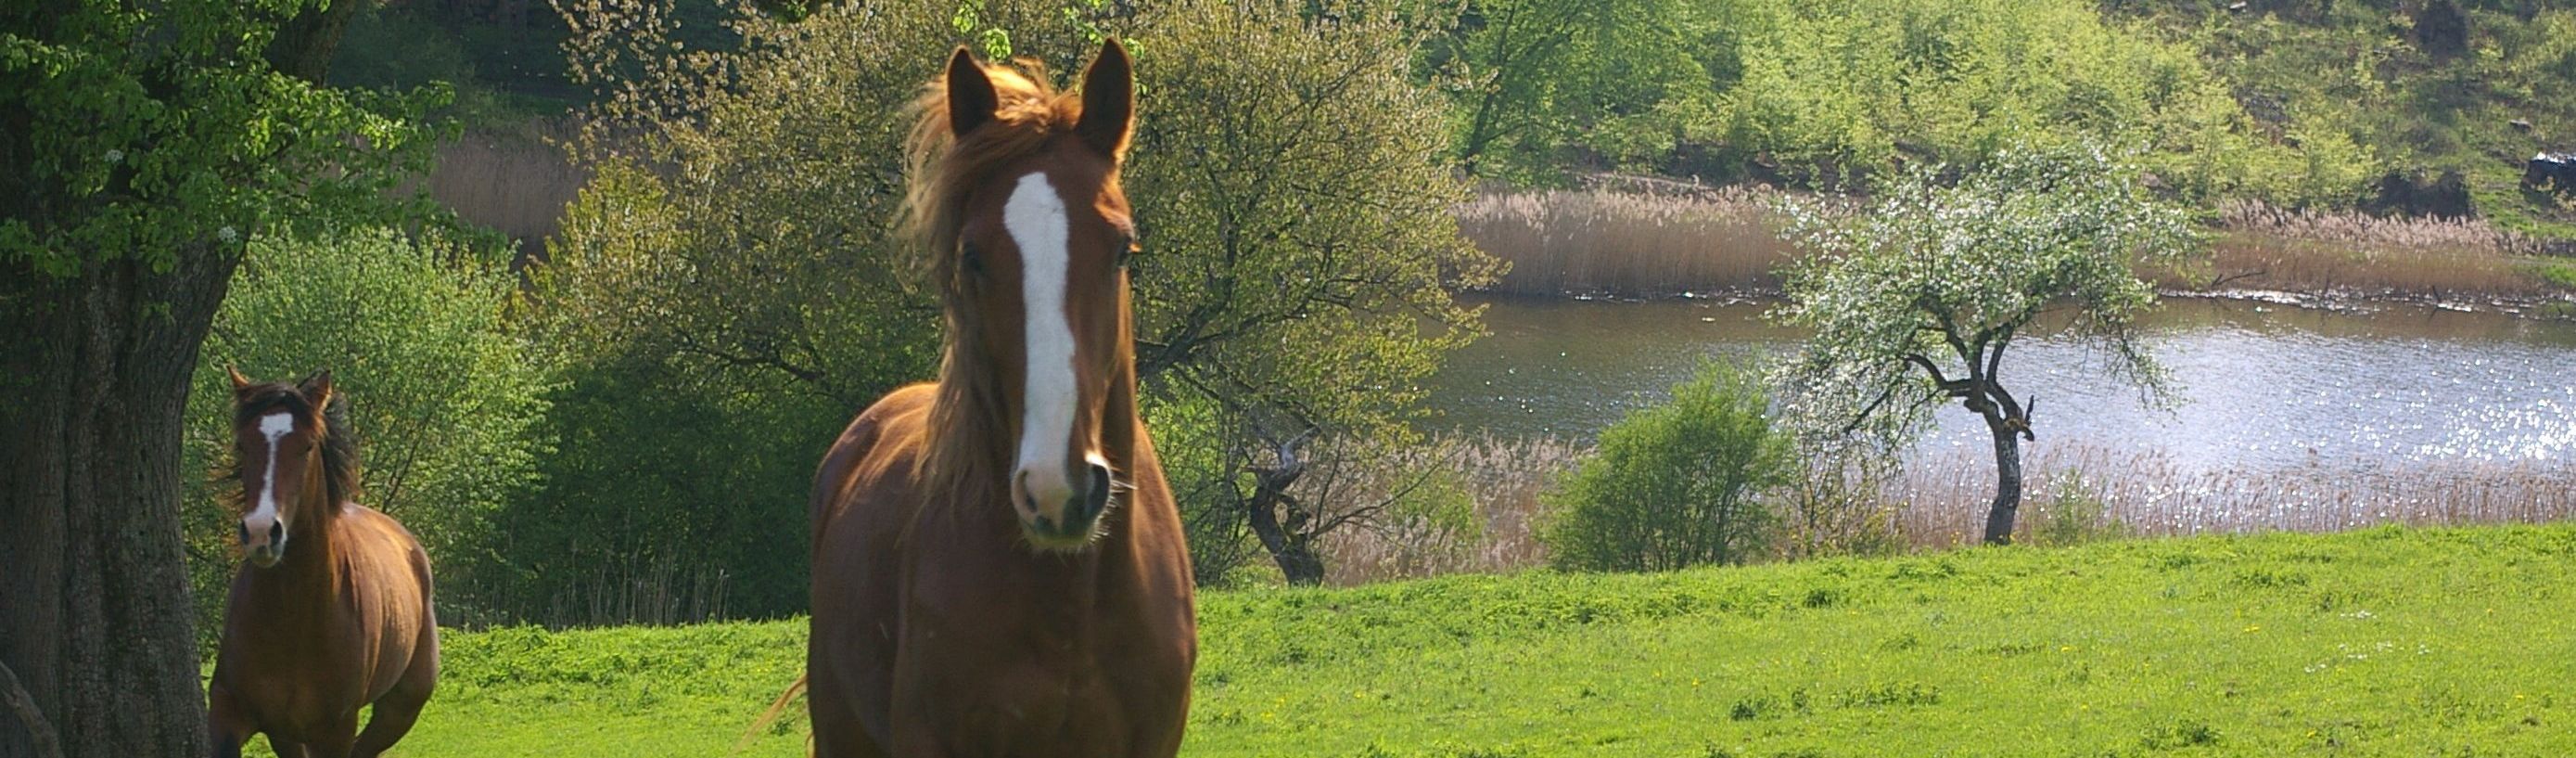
(516, 180)
(1501, 478)
(2071, 493)
(1656, 240)
(1659, 242)
(2351, 253)
(1942, 500)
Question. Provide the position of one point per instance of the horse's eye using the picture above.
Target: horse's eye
(970, 260)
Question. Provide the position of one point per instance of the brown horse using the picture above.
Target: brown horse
(998, 565)
(340, 621)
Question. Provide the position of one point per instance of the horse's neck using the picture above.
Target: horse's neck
(1120, 420)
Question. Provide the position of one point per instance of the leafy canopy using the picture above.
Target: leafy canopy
(135, 133)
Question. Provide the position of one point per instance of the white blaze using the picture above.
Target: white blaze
(274, 426)
(1035, 217)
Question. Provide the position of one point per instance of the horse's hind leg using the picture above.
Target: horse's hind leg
(400, 707)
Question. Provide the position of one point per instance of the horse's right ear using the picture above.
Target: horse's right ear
(317, 388)
(1108, 101)
(971, 100)
(239, 382)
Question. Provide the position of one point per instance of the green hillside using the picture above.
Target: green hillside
(2382, 642)
(2292, 102)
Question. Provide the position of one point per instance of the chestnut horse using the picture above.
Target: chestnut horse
(340, 621)
(998, 566)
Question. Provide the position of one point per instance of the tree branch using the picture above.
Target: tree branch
(39, 731)
(1928, 367)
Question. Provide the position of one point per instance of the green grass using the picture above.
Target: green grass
(2388, 641)
(2555, 271)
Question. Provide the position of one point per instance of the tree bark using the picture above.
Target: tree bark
(97, 622)
(95, 618)
(1999, 519)
(1289, 546)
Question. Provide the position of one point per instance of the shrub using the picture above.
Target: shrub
(1675, 485)
(2074, 513)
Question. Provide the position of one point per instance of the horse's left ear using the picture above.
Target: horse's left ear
(239, 382)
(316, 388)
(1108, 101)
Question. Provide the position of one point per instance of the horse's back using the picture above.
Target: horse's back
(861, 504)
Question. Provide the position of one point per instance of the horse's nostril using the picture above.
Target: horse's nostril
(276, 532)
(245, 532)
(1096, 497)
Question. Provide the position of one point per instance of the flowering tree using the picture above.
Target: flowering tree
(1916, 296)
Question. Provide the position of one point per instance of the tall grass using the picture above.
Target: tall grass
(1502, 479)
(2350, 253)
(1660, 242)
(2071, 492)
(1942, 499)
(657, 592)
(515, 180)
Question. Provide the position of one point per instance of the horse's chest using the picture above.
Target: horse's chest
(315, 683)
(1042, 694)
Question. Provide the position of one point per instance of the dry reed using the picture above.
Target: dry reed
(516, 180)
(1626, 243)
(2349, 253)
(1662, 241)
(1940, 501)
(1502, 479)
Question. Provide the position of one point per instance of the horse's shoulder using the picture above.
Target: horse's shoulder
(376, 526)
(892, 427)
(881, 440)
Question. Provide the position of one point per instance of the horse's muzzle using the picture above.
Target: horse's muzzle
(1072, 526)
(265, 553)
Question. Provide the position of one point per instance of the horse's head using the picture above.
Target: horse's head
(1031, 259)
(280, 432)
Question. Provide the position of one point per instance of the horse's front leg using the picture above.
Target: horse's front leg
(334, 741)
(225, 723)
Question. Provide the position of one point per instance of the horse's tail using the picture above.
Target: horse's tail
(770, 717)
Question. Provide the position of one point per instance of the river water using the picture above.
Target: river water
(2259, 386)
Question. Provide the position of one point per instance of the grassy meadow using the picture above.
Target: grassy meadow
(2386, 641)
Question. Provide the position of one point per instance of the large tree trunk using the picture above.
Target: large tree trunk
(1999, 519)
(96, 626)
(95, 620)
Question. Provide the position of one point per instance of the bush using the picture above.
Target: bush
(2073, 513)
(1675, 485)
(445, 400)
